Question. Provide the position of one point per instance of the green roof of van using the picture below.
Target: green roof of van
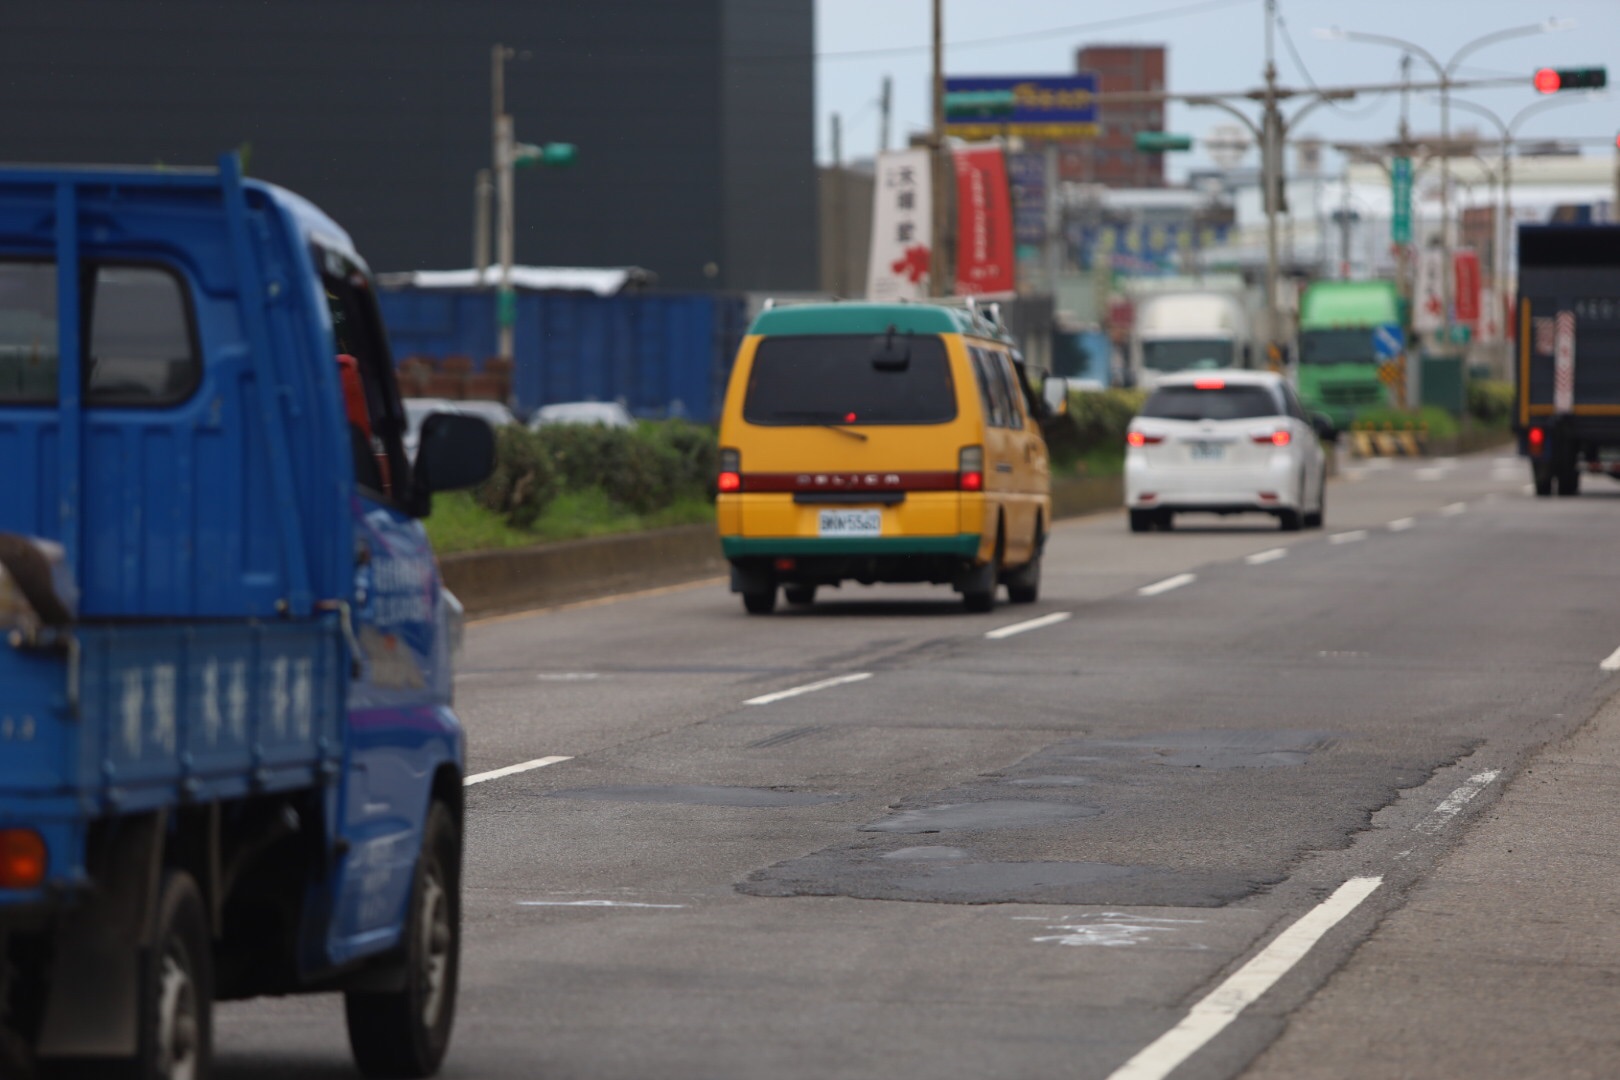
(862, 318)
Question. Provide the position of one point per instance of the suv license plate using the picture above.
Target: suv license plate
(1207, 451)
(851, 523)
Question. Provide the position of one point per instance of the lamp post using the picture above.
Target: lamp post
(1446, 72)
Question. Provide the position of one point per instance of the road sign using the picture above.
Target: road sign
(1388, 341)
(1400, 185)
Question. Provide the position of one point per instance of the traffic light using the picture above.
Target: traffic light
(979, 104)
(555, 153)
(1157, 142)
(1552, 80)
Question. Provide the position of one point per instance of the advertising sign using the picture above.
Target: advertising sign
(984, 245)
(1465, 272)
(1428, 300)
(902, 223)
(1044, 107)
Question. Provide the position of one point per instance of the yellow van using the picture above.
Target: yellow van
(882, 442)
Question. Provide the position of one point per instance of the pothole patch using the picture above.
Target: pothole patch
(976, 816)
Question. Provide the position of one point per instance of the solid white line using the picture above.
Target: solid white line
(1348, 537)
(1528, 489)
(1032, 624)
(1402, 524)
(1167, 584)
(1261, 557)
(510, 770)
(1454, 509)
(1452, 804)
(594, 903)
(1612, 663)
(838, 680)
(1243, 987)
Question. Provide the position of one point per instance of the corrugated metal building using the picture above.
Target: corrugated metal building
(694, 119)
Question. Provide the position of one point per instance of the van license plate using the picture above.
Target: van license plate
(1207, 451)
(852, 523)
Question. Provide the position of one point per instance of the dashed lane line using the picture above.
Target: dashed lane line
(1452, 804)
(1029, 624)
(1401, 524)
(1348, 537)
(1260, 558)
(1167, 584)
(1612, 663)
(809, 688)
(1244, 987)
(1453, 509)
(512, 770)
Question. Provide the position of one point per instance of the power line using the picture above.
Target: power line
(1299, 62)
(1031, 35)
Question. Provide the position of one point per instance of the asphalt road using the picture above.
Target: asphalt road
(1146, 829)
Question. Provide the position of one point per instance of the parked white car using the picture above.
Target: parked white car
(1225, 442)
(607, 413)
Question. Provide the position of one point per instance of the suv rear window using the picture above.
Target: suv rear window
(1222, 403)
(831, 379)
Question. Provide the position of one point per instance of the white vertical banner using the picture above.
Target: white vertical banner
(902, 227)
(1564, 364)
(1428, 299)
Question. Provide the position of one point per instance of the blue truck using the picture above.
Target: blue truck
(229, 765)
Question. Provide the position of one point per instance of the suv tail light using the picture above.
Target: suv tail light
(1275, 438)
(730, 470)
(970, 468)
(1137, 438)
(22, 859)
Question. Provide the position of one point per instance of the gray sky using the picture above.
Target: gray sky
(1218, 45)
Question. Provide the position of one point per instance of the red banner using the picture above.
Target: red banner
(1465, 272)
(984, 235)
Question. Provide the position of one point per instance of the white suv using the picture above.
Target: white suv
(1225, 442)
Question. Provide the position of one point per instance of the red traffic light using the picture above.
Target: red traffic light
(1548, 81)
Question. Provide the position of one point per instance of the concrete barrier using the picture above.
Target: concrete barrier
(546, 575)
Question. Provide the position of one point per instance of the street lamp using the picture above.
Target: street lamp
(1445, 72)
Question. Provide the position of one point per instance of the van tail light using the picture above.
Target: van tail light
(1538, 439)
(730, 470)
(1137, 438)
(1275, 438)
(970, 468)
(22, 859)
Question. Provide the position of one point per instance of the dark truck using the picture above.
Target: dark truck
(1567, 413)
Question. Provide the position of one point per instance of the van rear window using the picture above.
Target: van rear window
(1224, 403)
(831, 379)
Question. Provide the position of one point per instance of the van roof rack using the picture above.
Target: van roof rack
(985, 315)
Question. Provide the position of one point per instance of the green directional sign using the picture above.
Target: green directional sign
(1400, 189)
(1159, 142)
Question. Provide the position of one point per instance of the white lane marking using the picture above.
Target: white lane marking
(512, 770)
(595, 903)
(1429, 474)
(1528, 489)
(1348, 537)
(1378, 464)
(1243, 987)
(1167, 584)
(567, 676)
(1454, 509)
(1452, 804)
(1269, 555)
(1401, 524)
(808, 688)
(1612, 663)
(1030, 624)
(1445, 463)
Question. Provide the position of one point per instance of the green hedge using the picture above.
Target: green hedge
(1096, 422)
(643, 469)
(1490, 401)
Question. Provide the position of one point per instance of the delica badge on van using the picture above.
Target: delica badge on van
(882, 443)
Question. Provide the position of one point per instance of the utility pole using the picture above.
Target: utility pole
(840, 224)
(1269, 178)
(505, 302)
(885, 106)
(483, 189)
(936, 263)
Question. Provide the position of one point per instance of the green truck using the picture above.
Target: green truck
(1338, 356)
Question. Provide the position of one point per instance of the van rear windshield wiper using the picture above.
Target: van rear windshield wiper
(812, 417)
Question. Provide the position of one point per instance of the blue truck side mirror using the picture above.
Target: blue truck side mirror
(456, 451)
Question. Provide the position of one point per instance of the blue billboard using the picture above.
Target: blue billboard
(1044, 106)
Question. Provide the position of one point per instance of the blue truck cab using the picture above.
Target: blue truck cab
(229, 765)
